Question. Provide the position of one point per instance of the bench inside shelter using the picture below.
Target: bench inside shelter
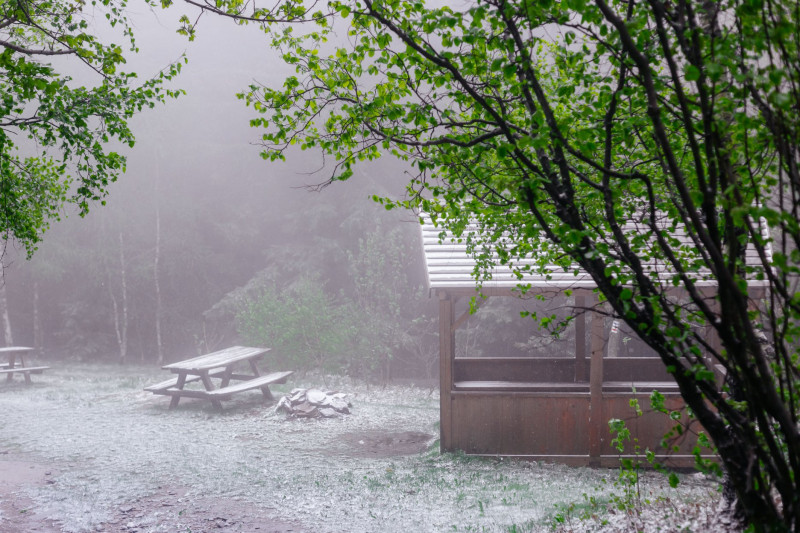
(553, 408)
(556, 408)
(536, 374)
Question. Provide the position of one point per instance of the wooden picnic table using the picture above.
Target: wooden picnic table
(11, 367)
(221, 365)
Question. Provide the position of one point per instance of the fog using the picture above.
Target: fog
(200, 227)
(223, 213)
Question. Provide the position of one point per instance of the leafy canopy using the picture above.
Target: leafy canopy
(59, 135)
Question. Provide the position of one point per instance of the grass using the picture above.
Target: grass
(110, 443)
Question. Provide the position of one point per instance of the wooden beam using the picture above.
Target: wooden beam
(465, 316)
(580, 337)
(179, 385)
(447, 354)
(597, 428)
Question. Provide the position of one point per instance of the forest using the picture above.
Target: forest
(200, 239)
(652, 146)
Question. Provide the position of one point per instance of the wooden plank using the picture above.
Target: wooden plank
(26, 372)
(649, 429)
(568, 460)
(553, 425)
(24, 369)
(519, 386)
(188, 393)
(467, 314)
(580, 337)
(577, 393)
(668, 460)
(632, 369)
(254, 383)
(527, 369)
(217, 359)
(627, 387)
(239, 377)
(12, 349)
(598, 421)
(447, 355)
(178, 386)
(520, 424)
(210, 388)
(624, 388)
(174, 381)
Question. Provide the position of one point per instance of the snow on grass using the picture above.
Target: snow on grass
(111, 443)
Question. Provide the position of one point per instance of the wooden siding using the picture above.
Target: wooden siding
(547, 409)
(555, 408)
(558, 426)
(525, 423)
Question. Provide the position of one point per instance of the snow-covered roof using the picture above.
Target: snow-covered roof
(450, 266)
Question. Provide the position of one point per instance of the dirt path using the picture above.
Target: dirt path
(17, 512)
(166, 510)
(170, 509)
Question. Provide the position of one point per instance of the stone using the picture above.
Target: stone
(339, 405)
(316, 396)
(313, 403)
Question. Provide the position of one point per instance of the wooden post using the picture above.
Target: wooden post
(580, 338)
(207, 383)
(447, 354)
(597, 421)
(173, 403)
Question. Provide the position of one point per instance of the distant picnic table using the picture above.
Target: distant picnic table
(220, 365)
(14, 367)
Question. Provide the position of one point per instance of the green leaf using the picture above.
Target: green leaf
(674, 480)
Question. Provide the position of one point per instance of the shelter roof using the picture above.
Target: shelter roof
(451, 266)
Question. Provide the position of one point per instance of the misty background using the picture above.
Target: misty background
(202, 244)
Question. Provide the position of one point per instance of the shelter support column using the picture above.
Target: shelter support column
(579, 310)
(597, 422)
(447, 354)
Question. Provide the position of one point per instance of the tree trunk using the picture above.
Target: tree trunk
(5, 315)
(38, 334)
(121, 316)
(156, 279)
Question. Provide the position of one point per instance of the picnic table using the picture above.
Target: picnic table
(221, 365)
(11, 367)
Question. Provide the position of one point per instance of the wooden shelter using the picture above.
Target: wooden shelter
(543, 408)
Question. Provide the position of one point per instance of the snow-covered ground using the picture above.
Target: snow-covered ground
(109, 446)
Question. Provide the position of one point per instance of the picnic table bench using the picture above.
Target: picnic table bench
(11, 367)
(221, 365)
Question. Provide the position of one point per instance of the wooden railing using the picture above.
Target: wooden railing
(540, 408)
